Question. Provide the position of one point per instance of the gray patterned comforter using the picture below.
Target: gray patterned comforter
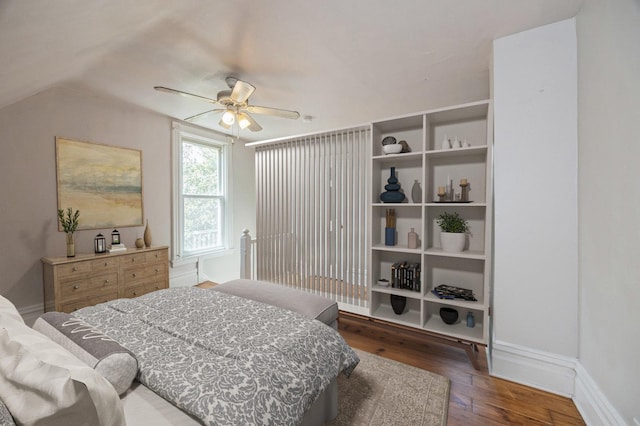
(225, 359)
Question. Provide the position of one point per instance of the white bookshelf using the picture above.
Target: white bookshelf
(432, 166)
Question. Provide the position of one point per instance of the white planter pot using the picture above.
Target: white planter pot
(452, 242)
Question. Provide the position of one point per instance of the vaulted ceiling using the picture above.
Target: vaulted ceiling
(340, 62)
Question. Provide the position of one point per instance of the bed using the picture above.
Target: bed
(198, 356)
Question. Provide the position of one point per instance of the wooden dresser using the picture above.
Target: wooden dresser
(87, 279)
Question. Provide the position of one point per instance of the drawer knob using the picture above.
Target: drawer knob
(157, 270)
(74, 269)
(106, 281)
(134, 275)
(75, 287)
(106, 263)
(135, 293)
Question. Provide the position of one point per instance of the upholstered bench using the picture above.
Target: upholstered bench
(311, 305)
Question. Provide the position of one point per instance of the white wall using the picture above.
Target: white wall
(28, 201)
(536, 230)
(609, 153)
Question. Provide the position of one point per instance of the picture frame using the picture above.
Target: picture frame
(103, 182)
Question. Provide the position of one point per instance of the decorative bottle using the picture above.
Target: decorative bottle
(147, 235)
(416, 192)
(413, 239)
(446, 143)
(392, 193)
(471, 321)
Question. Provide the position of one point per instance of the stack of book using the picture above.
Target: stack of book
(117, 247)
(406, 276)
(451, 292)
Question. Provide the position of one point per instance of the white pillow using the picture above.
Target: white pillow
(8, 311)
(43, 384)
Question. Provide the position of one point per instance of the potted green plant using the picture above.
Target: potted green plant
(69, 224)
(454, 229)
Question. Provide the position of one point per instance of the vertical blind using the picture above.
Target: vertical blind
(312, 221)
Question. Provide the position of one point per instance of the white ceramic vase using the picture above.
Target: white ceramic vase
(452, 242)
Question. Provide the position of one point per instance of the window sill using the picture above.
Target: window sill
(195, 258)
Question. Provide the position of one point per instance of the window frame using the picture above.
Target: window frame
(182, 133)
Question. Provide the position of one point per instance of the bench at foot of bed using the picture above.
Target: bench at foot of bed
(311, 305)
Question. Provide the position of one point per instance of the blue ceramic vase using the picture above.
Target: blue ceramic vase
(392, 193)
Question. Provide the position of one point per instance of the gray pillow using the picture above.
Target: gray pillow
(6, 419)
(113, 361)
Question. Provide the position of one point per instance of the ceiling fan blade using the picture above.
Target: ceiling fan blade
(253, 124)
(241, 92)
(193, 117)
(284, 113)
(186, 94)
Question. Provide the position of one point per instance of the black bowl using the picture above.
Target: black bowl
(398, 303)
(448, 315)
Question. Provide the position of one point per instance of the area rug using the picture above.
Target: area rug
(385, 392)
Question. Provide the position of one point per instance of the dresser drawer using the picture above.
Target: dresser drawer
(73, 270)
(134, 259)
(139, 290)
(89, 284)
(156, 256)
(89, 300)
(135, 276)
(105, 265)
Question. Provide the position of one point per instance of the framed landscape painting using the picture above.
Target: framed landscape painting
(103, 182)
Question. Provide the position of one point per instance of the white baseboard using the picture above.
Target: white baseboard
(31, 313)
(556, 374)
(541, 370)
(593, 405)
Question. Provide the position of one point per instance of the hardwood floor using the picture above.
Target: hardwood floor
(476, 398)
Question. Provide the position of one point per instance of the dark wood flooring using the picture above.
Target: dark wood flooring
(476, 398)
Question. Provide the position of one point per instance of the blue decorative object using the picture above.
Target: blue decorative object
(471, 321)
(389, 236)
(392, 193)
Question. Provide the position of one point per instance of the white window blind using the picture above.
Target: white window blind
(312, 221)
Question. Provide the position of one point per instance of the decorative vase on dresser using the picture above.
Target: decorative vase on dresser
(71, 245)
(147, 235)
(139, 243)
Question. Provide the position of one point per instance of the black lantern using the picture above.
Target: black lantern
(115, 237)
(100, 244)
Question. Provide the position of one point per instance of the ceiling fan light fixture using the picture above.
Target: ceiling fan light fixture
(228, 117)
(243, 121)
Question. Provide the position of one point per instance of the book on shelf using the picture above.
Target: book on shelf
(451, 292)
(405, 276)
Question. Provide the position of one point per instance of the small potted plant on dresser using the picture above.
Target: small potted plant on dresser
(69, 224)
(454, 229)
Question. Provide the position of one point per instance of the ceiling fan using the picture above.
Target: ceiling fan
(235, 103)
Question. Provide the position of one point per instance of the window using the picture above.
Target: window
(201, 201)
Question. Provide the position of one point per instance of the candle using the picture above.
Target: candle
(463, 181)
(441, 190)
